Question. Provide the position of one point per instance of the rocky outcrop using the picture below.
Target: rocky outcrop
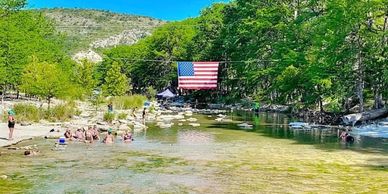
(89, 55)
(127, 37)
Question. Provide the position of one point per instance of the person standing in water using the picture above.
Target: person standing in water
(11, 124)
(144, 115)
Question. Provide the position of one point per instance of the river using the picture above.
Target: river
(213, 158)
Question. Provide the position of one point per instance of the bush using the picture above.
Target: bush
(109, 117)
(122, 116)
(62, 112)
(129, 102)
(28, 112)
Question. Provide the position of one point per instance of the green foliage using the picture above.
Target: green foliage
(151, 93)
(28, 112)
(116, 83)
(97, 100)
(84, 77)
(45, 80)
(129, 102)
(62, 112)
(122, 116)
(109, 117)
(169, 43)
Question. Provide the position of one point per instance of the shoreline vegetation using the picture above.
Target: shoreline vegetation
(320, 76)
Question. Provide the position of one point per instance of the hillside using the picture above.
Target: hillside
(89, 31)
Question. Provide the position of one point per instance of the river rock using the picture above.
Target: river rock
(195, 124)
(123, 121)
(219, 119)
(189, 113)
(25, 124)
(84, 115)
(192, 120)
(124, 127)
(164, 125)
(102, 123)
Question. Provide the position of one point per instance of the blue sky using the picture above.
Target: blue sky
(161, 9)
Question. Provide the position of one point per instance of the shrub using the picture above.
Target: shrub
(122, 116)
(109, 117)
(62, 112)
(28, 112)
(129, 102)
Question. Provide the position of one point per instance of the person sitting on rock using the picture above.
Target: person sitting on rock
(109, 137)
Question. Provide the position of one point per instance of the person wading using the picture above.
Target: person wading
(11, 123)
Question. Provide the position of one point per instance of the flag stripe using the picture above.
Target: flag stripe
(198, 75)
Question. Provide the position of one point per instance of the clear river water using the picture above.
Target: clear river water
(213, 158)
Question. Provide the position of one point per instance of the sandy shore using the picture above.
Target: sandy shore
(22, 133)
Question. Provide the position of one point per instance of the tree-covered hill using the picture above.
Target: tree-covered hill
(94, 29)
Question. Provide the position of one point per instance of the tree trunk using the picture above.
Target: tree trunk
(48, 102)
(360, 76)
(364, 116)
(3, 94)
(378, 99)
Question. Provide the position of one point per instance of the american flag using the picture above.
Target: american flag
(197, 75)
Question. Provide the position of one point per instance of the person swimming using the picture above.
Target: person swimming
(109, 137)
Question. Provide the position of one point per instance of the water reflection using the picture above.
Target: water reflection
(276, 126)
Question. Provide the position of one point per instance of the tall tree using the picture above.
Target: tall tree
(45, 80)
(116, 83)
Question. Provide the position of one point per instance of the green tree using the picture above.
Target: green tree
(116, 83)
(84, 76)
(45, 80)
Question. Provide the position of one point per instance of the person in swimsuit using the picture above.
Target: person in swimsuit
(127, 137)
(68, 134)
(89, 135)
(79, 134)
(144, 115)
(96, 135)
(109, 139)
(11, 124)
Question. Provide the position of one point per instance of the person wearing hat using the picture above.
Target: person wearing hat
(11, 123)
(109, 137)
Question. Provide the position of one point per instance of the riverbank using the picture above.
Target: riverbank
(22, 133)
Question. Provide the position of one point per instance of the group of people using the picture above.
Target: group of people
(91, 134)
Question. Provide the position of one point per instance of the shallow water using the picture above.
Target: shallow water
(213, 158)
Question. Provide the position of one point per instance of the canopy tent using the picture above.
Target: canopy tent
(166, 94)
